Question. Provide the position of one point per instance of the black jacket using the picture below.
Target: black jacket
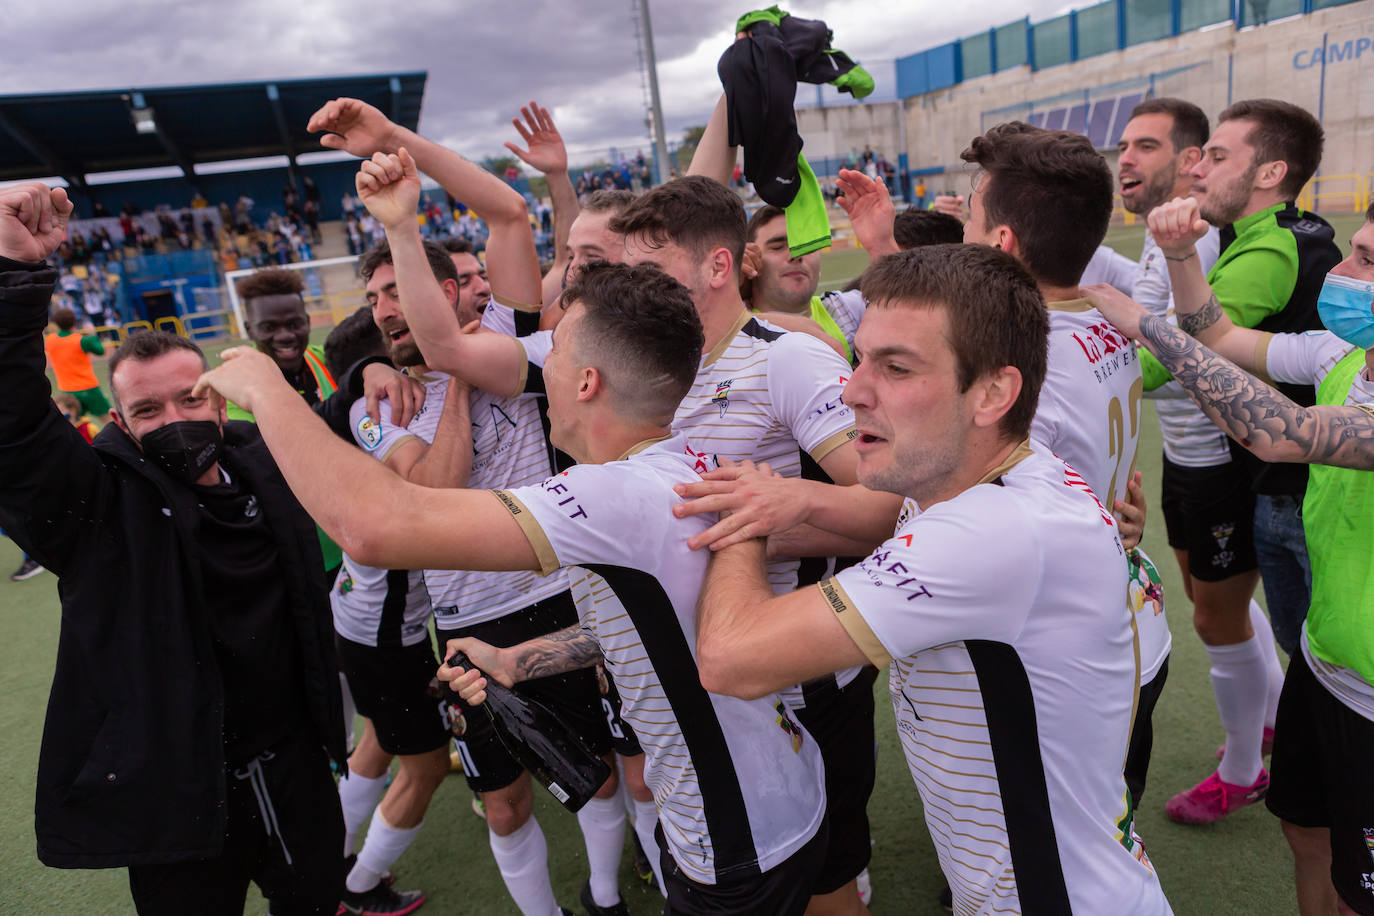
(131, 769)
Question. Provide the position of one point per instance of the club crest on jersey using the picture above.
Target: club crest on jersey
(457, 725)
(1369, 841)
(1222, 533)
(369, 433)
(786, 724)
(722, 396)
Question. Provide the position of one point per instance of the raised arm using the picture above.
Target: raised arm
(512, 263)
(1176, 227)
(545, 151)
(447, 461)
(389, 186)
(342, 488)
(870, 211)
(714, 156)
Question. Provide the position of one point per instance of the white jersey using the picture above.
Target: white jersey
(846, 307)
(766, 395)
(1190, 439)
(509, 448)
(1111, 268)
(739, 785)
(1013, 685)
(1089, 415)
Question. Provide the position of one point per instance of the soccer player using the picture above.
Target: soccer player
(201, 760)
(738, 784)
(1089, 407)
(997, 601)
(69, 354)
(1273, 259)
(511, 448)
(381, 618)
(1207, 501)
(1326, 715)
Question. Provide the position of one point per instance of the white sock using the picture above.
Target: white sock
(1271, 661)
(646, 819)
(523, 859)
(358, 796)
(381, 849)
(603, 830)
(1238, 678)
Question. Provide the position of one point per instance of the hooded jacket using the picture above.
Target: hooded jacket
(131, 770)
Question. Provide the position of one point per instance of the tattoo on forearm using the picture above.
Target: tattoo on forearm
(564, 650)
(1256, 415)
(1203, 318)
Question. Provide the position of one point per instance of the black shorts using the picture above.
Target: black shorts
(1319, 777)
(395, 687)
(623, 740)
(841, 721)
(572, 696)
(784, 890)
(1210, 513)
(1143, 735)
(283, 832)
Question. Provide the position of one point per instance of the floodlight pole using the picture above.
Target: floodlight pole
(651, 64)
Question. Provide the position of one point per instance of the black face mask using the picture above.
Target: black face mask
(185, 449)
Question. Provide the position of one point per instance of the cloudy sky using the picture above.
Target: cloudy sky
(484, 60)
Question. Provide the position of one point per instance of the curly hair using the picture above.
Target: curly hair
(270, 281)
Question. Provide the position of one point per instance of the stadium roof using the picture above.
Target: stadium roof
(71, 134)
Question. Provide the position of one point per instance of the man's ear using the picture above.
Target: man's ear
(450, 288)
(722, 267)
(995, 394)
(1005, 239)
(1188, 160)
(589, 383)
(1271, 174)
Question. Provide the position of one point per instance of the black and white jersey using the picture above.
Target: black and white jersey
(1013, 686)
(738, 784)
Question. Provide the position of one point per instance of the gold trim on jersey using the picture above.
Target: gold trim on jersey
(543, 549)
(524, 376)
(517, 304)
(1262, 356)
(641, 446)
(728, 338)
(847, 613)
(1018, 455)
(820, 452)
(408, 437)
(1071, 305)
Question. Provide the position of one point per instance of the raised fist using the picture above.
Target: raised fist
(33, 220)
(1176, 226)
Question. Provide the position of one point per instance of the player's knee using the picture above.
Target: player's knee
(508, 809)
(612, 783)
(1218, 624)
(1309, 844)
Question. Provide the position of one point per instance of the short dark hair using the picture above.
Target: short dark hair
(914, 227)
(142, 346)
(1190, 127)
(1283, 132)
(765, 214)
(641, 328)
(607, 200)
(64, 318)
(1038, 176)
(380, 254)
(270, 281)
(456, 244)
(997, 316)
(352, 339)
(1369, 214)
(695, 212)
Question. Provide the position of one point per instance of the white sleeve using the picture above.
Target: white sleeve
(1301, 359)
(963, 570)
(806, 382)
(378, 439)
(582, 516)
(507, 319)
(536, 347)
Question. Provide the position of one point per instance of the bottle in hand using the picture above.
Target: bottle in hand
(554, 754)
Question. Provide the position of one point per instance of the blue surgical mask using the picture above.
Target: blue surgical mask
(1346, 307)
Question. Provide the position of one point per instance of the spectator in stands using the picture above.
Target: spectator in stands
(75, 414)
(69, 354)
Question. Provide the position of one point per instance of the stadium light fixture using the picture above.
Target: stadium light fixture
(143, 120)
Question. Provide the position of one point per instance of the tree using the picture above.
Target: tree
(690, 138)
(497, 165)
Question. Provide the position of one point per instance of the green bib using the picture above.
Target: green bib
(822, 317)
(1340, 545)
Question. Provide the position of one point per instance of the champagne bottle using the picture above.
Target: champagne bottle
(555, 756)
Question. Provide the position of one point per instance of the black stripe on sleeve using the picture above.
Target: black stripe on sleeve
(722, 800)
(393, 608)
(1010, 710)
